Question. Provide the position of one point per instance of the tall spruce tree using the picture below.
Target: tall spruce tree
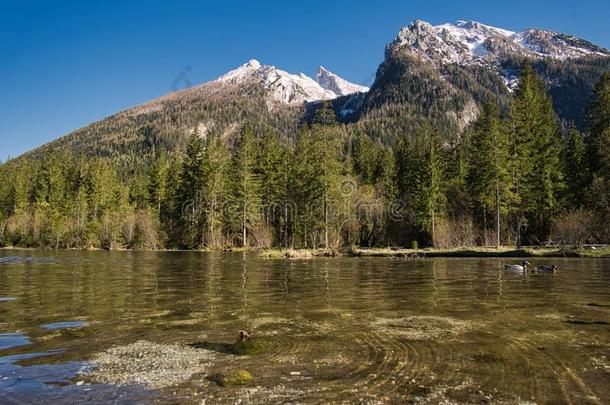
(269, 169)
(490, 178)
(217, 188)
(157, 182)
(597, 125)
(536, 171)
(421, 182)
(245, 185)
(576, 167)
(191, 196)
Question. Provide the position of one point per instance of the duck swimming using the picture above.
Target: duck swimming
(518, 267)
(547, 269)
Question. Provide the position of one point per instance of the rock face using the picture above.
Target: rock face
(466, 42)
(340, 87)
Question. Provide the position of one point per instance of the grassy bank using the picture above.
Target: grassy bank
(484, 252)
(505, 251)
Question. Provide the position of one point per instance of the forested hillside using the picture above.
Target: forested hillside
(514, 175)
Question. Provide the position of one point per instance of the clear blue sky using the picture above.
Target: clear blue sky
(66, 64)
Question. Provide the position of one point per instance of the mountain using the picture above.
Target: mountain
(440, 74)
(289, 88)
(254, 94)
(473, 42)
(444, 72)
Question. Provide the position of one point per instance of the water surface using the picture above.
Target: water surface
(332, 329)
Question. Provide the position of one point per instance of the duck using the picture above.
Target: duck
(518, 267)
(547, 269)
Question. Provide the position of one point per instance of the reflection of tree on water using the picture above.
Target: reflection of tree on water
(434, 287)
(244, 279)
(500, 284)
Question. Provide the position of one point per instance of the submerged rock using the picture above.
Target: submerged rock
(233, 378)
(154, 365)
(424, 327)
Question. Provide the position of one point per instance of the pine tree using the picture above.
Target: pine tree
(489, 177)
(245, 185)
(317, 180)
(537, 173)
(217, 188)
(325, 116)
(597, 125)
(420, 176)
(268, 168)
(157, 182)
(191, 193)
(576, 167)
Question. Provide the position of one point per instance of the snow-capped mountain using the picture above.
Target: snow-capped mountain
(341, 87)
(465, 42)
(291, 88)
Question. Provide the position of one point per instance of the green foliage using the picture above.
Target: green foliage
(230, 171)
(490, 178)
(421, 181)
(246, 195)
(598, 128)
(575, 162)
(537, 172)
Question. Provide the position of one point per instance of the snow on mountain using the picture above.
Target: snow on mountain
(290, 88)
(341, 87)
(466, 42)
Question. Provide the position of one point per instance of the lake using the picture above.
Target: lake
(343, 330)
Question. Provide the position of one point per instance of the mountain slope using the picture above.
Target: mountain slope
(253, 94)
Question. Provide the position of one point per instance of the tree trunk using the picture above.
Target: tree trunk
(243, 229)
(433, 230)
(519, 230)
(285, 224)
(325, 223)
(497, 217)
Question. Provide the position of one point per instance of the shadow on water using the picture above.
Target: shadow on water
(218, 347)
(239, 348)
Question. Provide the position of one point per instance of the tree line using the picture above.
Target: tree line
(513, 178)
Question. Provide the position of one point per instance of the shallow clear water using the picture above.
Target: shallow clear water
(332, 329)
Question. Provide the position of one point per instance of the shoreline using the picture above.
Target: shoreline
(464, 252)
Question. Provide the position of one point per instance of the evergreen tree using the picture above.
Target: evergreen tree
(157, 183)
(421, 182)
(317, 180)
(217, 189)
(597, 125)
(536, 154)
(268, 168)
(490, 177)
(191, 193)
(246, 197)
(325, 116)
(575, 167)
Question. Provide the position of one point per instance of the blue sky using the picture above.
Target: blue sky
(65, 64)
